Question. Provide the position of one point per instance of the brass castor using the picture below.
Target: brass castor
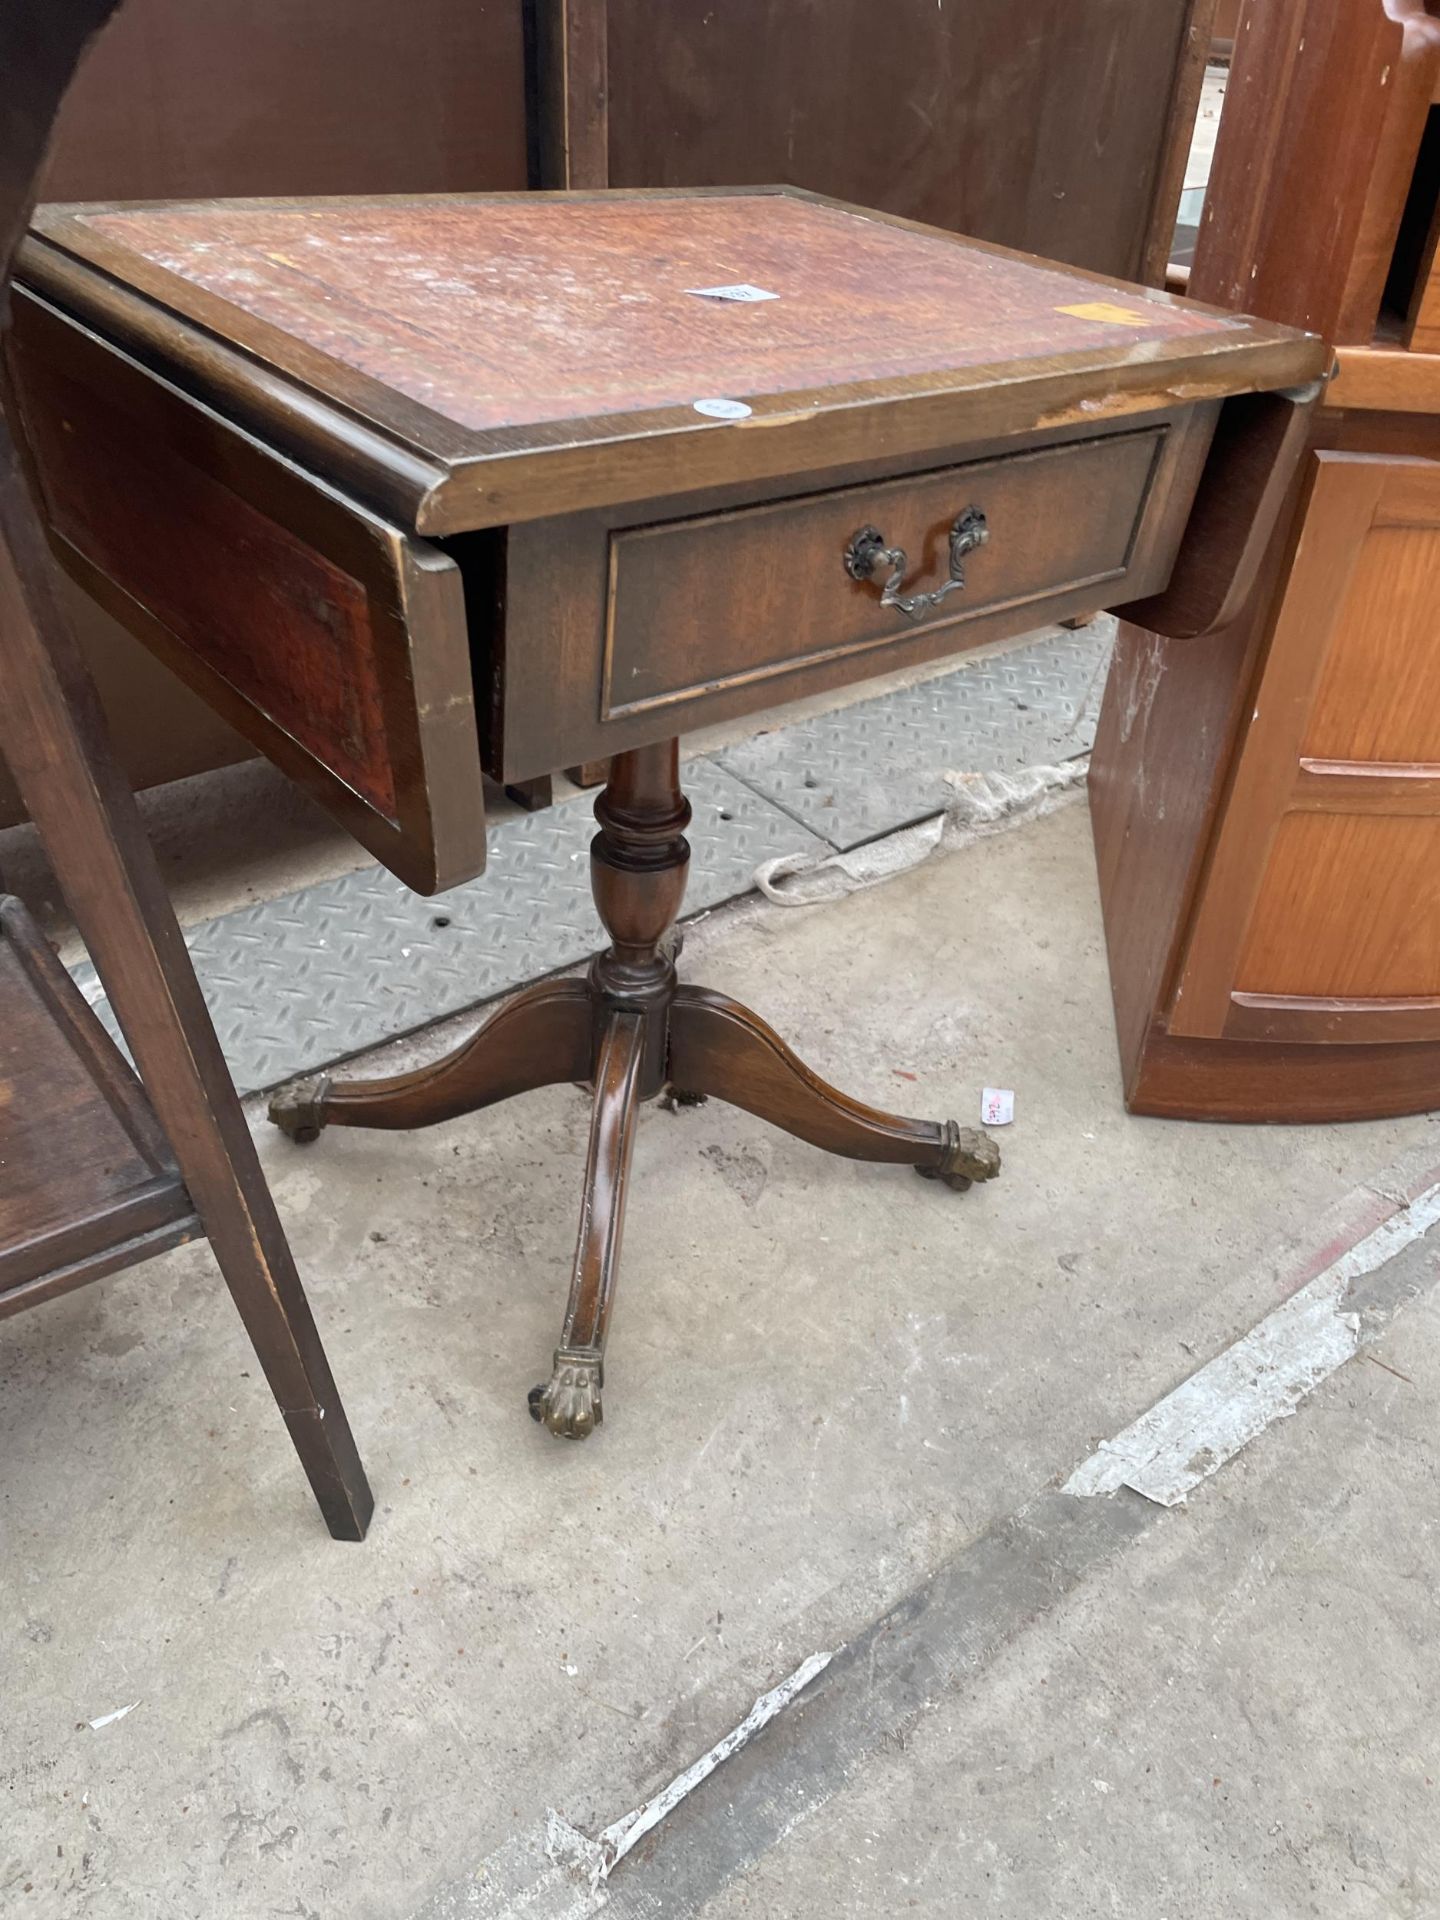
(970, 1155)
(569, 1403)
(299, 1111)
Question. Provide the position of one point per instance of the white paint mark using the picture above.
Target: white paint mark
(109, 1719)
(742, 292)
(1193, 1431)
(600, 1857)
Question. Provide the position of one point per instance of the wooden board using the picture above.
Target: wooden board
(270, 96)
(1046, 126)
(505, 357)
(332, 640)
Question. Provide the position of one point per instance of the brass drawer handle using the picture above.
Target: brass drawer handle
(867, 552)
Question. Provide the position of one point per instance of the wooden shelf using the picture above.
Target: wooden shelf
(1386, 380)
(87, 1183)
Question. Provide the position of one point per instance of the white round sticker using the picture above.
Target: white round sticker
(723, 409)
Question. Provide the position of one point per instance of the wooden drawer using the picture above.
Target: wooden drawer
(698, 618)
(683, 597)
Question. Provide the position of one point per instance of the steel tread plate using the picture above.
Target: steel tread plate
(865, 770)
(339, 967)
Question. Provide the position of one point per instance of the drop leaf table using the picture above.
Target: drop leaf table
(409, 486)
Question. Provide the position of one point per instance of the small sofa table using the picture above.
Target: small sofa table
(408, 486)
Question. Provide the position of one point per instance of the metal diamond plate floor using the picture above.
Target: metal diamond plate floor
(867, 769)
(316, 976)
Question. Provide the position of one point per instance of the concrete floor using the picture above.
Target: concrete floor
(836, 1395)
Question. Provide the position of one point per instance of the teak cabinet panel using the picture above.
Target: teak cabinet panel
(1316, 917)
(1264, 804)
(1347, 910)
(1388, 623)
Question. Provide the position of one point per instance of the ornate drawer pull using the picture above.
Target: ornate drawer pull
(867, 551)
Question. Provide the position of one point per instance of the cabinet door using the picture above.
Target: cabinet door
(1319, 916)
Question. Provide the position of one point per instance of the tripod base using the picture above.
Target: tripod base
(632, 1032)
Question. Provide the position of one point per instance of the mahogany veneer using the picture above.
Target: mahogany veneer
(471, 452)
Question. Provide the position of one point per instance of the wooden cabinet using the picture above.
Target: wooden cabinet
(1319, 915)
(1267, 804)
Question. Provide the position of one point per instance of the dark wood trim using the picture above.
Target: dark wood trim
(154, 1196)
(571, 93)
(112, 1257)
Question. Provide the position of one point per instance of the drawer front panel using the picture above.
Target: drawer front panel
(705, 605)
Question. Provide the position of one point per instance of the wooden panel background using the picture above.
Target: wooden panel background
(199, 97)
(193, 97)
(1043, 126)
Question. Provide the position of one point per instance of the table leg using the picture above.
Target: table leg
(541, 1038)
(641, 1032)
(719, 1047)
(569, 1405)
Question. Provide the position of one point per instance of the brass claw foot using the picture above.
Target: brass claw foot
(570, 1405)
(970, 1155)
(299, 1110)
